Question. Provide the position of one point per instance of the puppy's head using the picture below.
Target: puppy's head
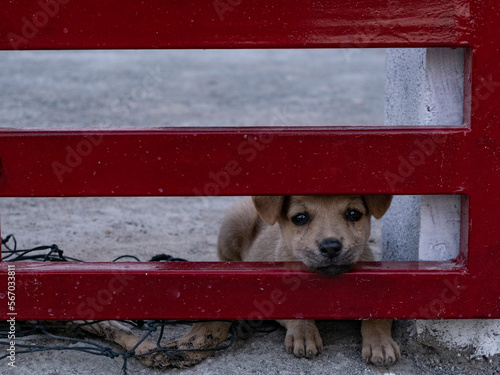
(327, 233)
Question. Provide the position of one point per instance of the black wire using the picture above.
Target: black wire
(167, 258)
(13, 254)
(102, 350)
(127, 256)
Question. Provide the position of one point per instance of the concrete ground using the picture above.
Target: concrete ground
(184, 88)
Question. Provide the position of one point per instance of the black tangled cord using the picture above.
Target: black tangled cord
(55, 254)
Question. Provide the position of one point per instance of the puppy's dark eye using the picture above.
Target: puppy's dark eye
(353, 215)
(301, 219)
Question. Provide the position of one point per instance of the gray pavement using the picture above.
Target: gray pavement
(190, 88)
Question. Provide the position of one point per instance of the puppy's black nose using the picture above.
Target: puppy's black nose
(330, 247)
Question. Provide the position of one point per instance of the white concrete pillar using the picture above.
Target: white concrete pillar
(424, 87)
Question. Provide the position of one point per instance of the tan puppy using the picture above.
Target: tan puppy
(326, 233)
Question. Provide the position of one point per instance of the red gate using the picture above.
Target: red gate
(466, 162)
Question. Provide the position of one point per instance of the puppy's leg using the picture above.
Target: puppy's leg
(302, 338)
(378, 346)
(238, 230)
(122, 335)
(202, 336)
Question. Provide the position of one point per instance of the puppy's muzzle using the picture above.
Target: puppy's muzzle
(330, 248)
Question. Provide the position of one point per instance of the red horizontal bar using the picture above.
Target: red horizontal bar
(93, 24)
(234, 162)
(240, 291)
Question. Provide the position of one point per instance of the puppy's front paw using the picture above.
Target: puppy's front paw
(378, 346)
(381, 351)
(197, 344)
(303, 338)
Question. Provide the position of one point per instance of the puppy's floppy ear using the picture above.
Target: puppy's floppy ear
(269, 207)
(378, 204)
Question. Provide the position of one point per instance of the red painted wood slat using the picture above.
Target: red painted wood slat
(93, 24)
